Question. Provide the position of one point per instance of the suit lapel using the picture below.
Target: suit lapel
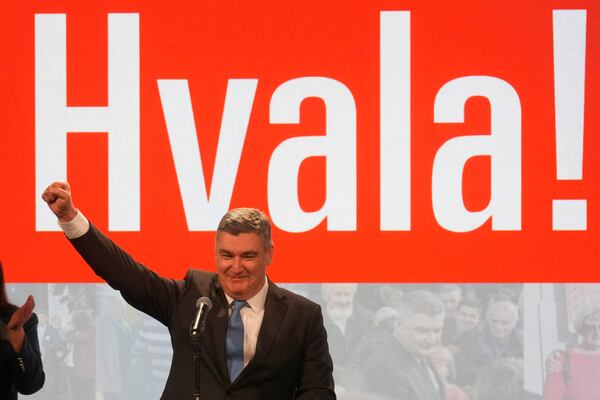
(420, 380)
(275, 308)
(217, 327)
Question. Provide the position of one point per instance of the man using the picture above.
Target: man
(345, 323)
(468, 315)
(400, 370)
(450, 295)
(260, 341)
(498, 341)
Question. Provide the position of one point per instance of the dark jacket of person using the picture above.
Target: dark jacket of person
(20, 372)
(482, 351)
(292, 359)
(394, 373)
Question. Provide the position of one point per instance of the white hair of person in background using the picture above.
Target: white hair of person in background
(339, 302)
(499, 340)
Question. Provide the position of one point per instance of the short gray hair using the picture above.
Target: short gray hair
(504, 305)
(420, 302)
(247, 220)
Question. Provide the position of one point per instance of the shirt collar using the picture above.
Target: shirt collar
(257, 302)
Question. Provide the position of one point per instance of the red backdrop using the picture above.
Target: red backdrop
(208, 43)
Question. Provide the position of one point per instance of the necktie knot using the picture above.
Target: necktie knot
(237, 305)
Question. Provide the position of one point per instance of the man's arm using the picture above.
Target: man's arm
(316, 372)
(140, 287)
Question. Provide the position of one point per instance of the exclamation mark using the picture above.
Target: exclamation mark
(569, 81)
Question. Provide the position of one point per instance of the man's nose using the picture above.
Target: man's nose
(236, 262)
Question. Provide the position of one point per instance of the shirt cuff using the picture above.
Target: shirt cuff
(76, 227)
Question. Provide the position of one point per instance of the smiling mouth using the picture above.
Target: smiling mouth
(237, 278)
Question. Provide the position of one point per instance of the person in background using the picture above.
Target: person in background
(400, 369)
(54, 348)
(468, 326)
(345, 323)
(574, 374)
(501, 380)
(21, 368)
(500, 340)
(450, 295)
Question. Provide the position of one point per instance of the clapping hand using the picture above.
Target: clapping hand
(16, 333)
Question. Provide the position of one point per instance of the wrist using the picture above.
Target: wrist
(68, 216)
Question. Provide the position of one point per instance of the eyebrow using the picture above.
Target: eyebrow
(244, 254)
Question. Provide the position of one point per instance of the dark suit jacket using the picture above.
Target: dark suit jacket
(357, 327)
(478, 353)
(394, 373)
(20, 372)
(292, 359)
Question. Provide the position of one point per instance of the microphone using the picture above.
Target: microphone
(203, 306)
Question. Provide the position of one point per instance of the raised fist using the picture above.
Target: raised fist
(58, 198)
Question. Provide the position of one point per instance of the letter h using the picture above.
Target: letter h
(120, 118)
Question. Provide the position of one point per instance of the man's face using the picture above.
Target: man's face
(450, 300)
(501, 323)
(467, 318)
(339, 299)
(242, 262)
(419, 333)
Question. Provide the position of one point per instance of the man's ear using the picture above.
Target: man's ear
(270, 254)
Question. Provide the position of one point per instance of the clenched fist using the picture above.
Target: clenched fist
(58, 197)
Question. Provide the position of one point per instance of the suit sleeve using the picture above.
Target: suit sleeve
(316, 372)
(139, 286)
(27, 371)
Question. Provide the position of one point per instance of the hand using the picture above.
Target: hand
(58, 197)
(555, 361)
(16, 333)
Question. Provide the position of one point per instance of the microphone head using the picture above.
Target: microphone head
(204, 301)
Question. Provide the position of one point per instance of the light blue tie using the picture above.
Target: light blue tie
(234, 340)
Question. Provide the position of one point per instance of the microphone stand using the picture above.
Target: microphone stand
(197, 351)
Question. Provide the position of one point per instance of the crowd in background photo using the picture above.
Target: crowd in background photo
(387, 341)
